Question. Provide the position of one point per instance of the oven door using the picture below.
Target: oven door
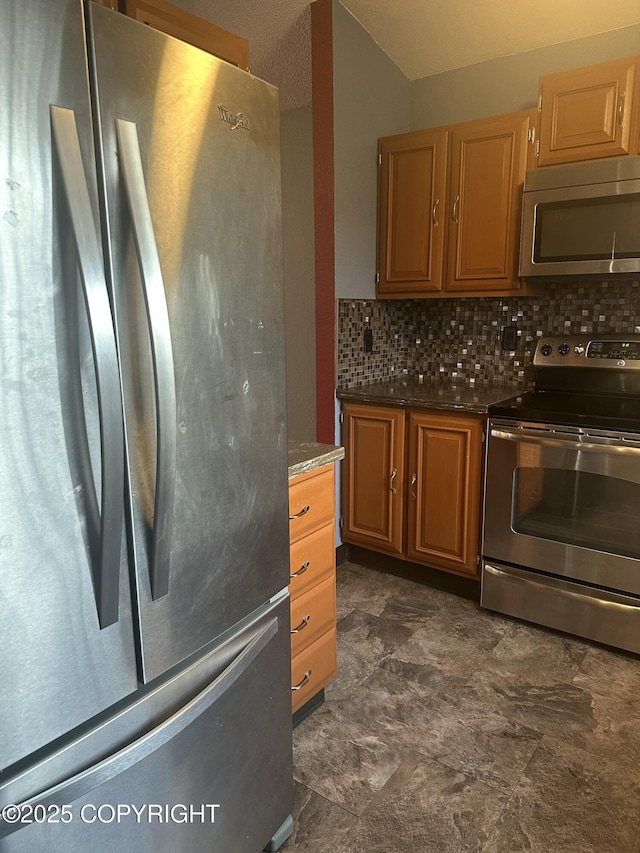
(564, 501)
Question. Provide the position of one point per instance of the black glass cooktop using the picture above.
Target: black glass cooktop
(600, 411)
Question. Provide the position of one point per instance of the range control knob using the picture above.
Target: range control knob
(546, 349)
(563, 349)
(579, 349)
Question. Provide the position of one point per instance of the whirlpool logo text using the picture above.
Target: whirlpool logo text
(235, 121)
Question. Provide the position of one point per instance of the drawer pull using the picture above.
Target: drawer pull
(304, 681)
(394, 474)
(302, 625)
(303, 568)
(303, 511)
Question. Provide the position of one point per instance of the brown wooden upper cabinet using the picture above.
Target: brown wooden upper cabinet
(411, 211)
(590, 113)
(190, 28)
(449, 203)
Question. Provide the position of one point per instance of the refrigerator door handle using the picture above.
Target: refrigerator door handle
(106, 569)
(104, 771)
(162, 353)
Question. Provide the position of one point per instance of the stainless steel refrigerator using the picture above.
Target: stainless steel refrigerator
(144, 627)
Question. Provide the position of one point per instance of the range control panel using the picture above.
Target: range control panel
(599, 351)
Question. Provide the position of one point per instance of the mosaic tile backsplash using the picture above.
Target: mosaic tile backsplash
(460, 338)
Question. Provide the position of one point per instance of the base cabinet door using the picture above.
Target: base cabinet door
(445, 474)
(590, 113)
(425, 508)
(372, 499)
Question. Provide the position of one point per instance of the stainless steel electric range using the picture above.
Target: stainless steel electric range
(562, 520)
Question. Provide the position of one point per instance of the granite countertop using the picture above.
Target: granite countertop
(432, 393)
(305, 456)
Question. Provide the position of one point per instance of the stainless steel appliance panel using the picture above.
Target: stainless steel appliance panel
(564, 501)
(211, 739)
(63, 570)
(581, 219)
(595, 614)
(192, 184)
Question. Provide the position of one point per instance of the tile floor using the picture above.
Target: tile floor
(450, 728)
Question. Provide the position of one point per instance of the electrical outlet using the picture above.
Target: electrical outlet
(509, 338)
(368, 340)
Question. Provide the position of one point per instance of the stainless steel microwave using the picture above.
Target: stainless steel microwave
(582, 219)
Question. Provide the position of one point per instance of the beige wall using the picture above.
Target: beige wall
(187, 5)
(299, 282)
(511, 82)
(370, 99)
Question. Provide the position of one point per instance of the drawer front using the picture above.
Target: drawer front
(312, 558)
(311, 502)
(313, 668)
(312, 613)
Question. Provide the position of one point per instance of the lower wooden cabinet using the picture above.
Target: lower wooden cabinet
(372, 505)
(412, 484)
(445, 490)
(313, 583)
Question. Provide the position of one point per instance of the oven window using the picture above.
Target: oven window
(578, 508)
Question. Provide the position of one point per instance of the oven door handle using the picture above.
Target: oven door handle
(591, 446)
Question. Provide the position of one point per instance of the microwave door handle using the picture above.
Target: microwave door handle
(591, 446)
(162, 353)
(106, 569)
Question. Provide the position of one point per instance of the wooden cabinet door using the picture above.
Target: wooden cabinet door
(411, 201)
(488, 163)
(589, 113)
(190, 28)
(444, 491)
(373, 476)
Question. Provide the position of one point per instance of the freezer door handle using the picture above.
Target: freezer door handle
(162, 353)
(106, 568)
(104, 771)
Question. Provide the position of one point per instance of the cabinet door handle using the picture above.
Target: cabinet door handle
(302, 625)
(434, 215)
(414, 480)
(303, 511)
(304, 681)
(621, 110)
(303, 568)
(454, 212)
(394, 474)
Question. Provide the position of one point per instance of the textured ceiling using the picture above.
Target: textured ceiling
(422, 37)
